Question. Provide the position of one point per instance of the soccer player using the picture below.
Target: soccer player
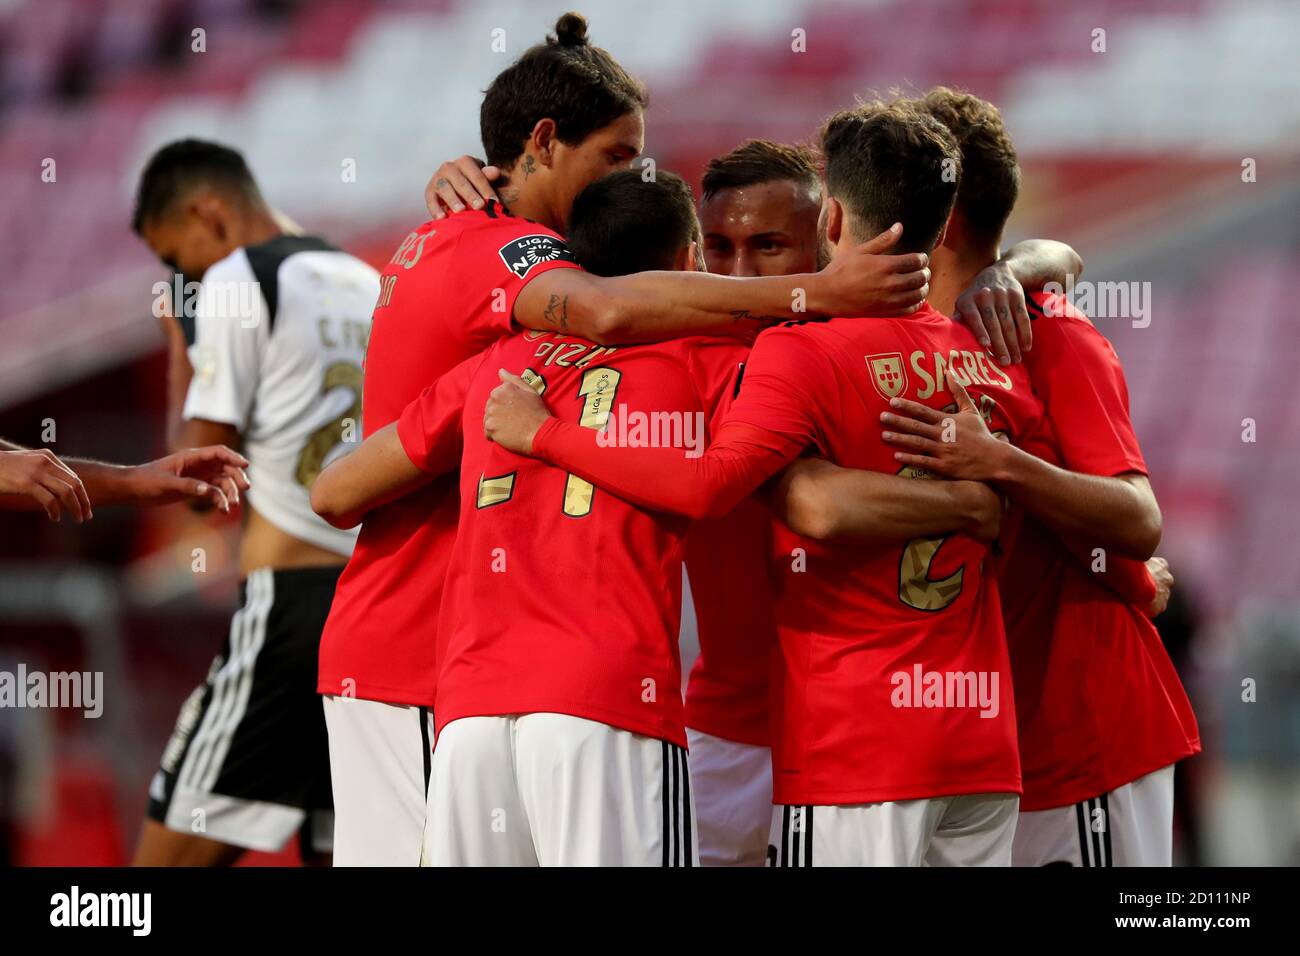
(896, 722)
(563, 115)
(560, 708)
(1103, 717)
(280, 323)
(759, 215)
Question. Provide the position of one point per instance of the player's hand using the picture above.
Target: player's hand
(39, 474)
(993, 307)
(866, 281)
(1164, 579)
(460, 183)
(949, 444)
(513, 414)
(212, 474)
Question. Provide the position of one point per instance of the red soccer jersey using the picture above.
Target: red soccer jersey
(1097, 697)
(865, 632)
(561, 597)
(727, 564)
(447, 294)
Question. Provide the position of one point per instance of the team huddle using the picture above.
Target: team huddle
(896, 481)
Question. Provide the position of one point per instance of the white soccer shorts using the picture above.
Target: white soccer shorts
(974, 830)
(1133, 825)
(732, 783)
(380, 756)
(555, 790)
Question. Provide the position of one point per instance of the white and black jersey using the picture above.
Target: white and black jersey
(280, 334)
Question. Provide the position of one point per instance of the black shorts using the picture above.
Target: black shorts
(248, 763)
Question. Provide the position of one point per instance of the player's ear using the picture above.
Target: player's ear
(834, 213)
(949, 228)
(688, 259)
(541, 143)
(207, 209)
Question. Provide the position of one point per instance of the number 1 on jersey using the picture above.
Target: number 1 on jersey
(599, 386)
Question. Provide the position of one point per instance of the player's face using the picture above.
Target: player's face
(607, 150)
(765, 230)
(187, 244)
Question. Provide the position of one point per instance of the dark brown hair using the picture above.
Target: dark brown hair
(890, 163)
(758, 161)
(622, 224)
(578, 85)
(990, 182)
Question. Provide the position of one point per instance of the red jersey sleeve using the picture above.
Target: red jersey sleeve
(430, 427)
(768, 426)
(497, 262)
(1078, 376)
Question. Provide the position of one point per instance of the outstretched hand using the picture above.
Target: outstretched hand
(213, 473)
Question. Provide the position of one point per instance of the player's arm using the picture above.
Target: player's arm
(377, 472)
(426, 441)
(772, 421)
(993, 305)
(819, 499)
(661, 479)
(36, 480)
(1117, 513)
(651, 306)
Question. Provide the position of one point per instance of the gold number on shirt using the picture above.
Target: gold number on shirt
(597, 389)
(328, 437)
(599, 386)
(501, 488)
(915, 587)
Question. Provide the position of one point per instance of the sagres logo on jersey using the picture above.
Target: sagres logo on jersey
(523, 253)
(888, 374)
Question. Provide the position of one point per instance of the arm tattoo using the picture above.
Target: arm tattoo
(738, 315)
(557, 312)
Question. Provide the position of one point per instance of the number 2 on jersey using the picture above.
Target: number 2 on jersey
(326, 438)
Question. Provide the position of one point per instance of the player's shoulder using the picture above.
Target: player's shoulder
(493, 239)
(1055, 309)
(234, 267)
(1058, 322)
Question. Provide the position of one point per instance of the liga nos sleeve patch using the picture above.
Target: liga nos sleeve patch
(521, 254)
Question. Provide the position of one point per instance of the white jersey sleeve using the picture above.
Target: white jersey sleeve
(230, 335)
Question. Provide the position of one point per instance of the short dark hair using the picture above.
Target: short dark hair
(623, 224)
(759, 161)
(888, 163)
(178, 167)
(990, 182)
(578, 85)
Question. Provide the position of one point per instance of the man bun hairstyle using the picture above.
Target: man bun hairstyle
(578, 85)
(889, 162)
(758, 161)
(178, 168)
(570, 30)
(990, 182)
(622, 224)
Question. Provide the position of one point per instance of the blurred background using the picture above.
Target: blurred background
(1165, 148)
